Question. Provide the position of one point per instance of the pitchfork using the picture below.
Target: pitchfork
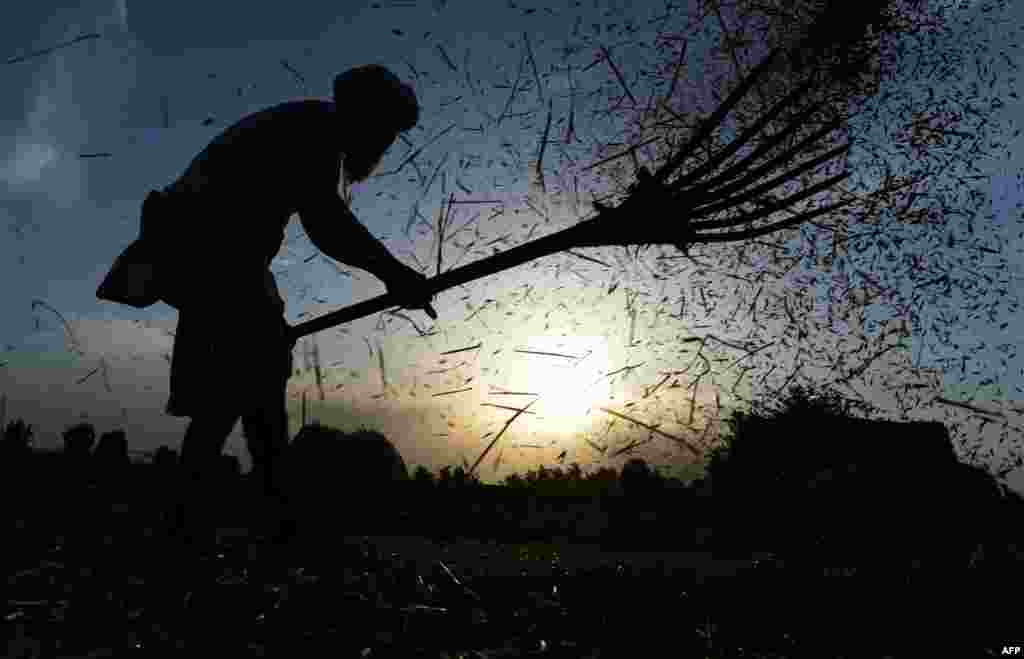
(691, 197)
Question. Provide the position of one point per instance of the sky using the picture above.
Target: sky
(90, 128)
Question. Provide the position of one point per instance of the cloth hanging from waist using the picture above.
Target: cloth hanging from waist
(231, 356)
(230, 348)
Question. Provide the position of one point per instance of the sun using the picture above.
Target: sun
(568, 374)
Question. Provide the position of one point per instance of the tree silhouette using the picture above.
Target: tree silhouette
(230, 467)
(444, 477)
(79, 440)
(165, 458)
(112, 450)
(515, 481)
(15, 453)
(17, 440)
(423, 500)
(637, 479)
(110, 460)
(422, 476)
(459, 478)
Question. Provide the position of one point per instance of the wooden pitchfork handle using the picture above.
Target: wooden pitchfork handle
(583, 234)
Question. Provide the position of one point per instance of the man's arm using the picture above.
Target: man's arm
(336, 232)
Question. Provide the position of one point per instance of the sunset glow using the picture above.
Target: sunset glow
(568, 373)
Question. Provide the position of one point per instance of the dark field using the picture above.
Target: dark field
(92, 571)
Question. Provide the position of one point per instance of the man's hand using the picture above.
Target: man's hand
(290, 337)
(409, 286)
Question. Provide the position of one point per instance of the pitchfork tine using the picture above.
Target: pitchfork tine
(735, 145)
(767, 145)
(759, 173)
(716, 118)
(768, 209)
(729, 202)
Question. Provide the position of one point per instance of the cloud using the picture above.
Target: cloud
(38, 166)
(122, 12)
(35, 150)
(121, 337)
(73, 105)
(27, 163)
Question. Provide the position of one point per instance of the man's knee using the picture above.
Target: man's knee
(266, 433)
(205, 438)
(211, 427)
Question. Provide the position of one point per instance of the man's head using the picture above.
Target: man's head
(376, 107)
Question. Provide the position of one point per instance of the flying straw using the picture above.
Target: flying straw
(47, 51)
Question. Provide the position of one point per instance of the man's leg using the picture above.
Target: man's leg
(266, 437)
(265, 421)
(265, 426)
(204, 442)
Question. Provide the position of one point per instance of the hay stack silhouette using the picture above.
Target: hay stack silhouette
(345, 483)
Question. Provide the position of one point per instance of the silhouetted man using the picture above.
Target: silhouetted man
(224, 220)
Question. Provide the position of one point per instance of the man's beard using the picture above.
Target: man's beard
(359, 166)
(358, 170)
